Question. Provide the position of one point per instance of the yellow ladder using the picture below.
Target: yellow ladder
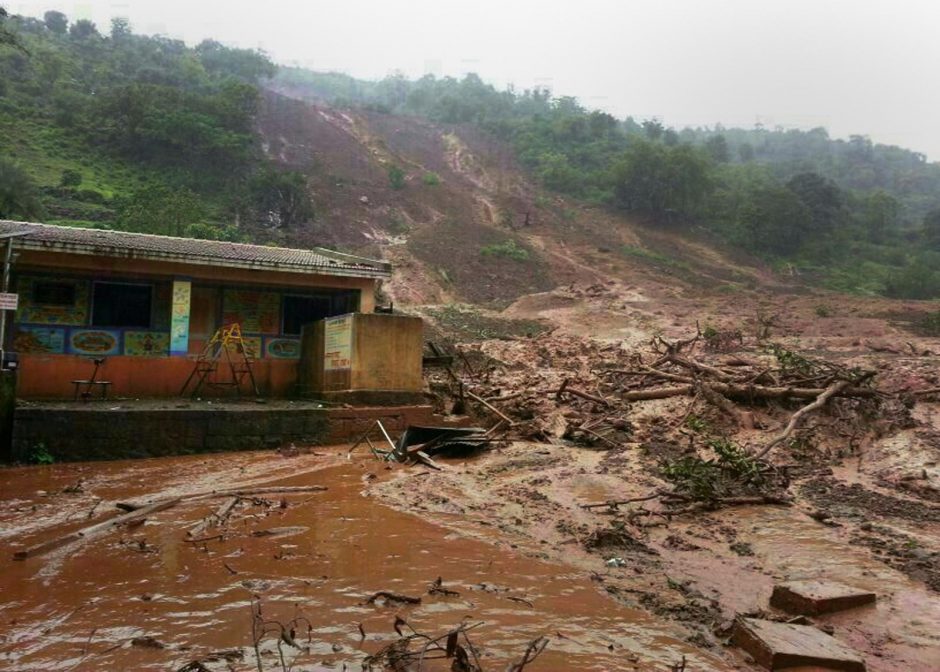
(226, 344)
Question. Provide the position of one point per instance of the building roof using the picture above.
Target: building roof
(96, 242)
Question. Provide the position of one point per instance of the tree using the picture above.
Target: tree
(161, 210)
(7, 36)
(653, 178)
(717, 148)
(931, 230)
(556, 172)
(774, 219)
(83, 29)
(653, 129)
(881, 215)
(19, 198)
(746, 152)
(281, 198)
(822, 197)
(55, 21)
(120, 28)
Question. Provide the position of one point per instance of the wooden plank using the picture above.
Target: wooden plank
(780, 645)
(812, 598)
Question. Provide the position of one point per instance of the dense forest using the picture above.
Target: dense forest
(859, 216)
(114, 129)
(133, 132)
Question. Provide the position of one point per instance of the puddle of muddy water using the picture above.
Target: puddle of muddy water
(78, 609)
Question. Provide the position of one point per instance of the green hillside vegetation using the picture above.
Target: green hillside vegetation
(855, 215)
(141, 133)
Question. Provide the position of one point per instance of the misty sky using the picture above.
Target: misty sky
(866, 66)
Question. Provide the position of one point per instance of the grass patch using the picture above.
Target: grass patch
(508, 249)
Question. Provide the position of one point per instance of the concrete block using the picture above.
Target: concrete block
(781, 645)
(812, 598)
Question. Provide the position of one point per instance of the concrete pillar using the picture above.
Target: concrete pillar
(7, 409)
(179, 323)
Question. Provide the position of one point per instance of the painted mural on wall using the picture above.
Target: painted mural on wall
(75, 314)
(39, 340)
(282, 348)
(146, 343)
(95, 341)
(180, 312)
(256, 312)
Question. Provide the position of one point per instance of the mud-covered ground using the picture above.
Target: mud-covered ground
(864, 480)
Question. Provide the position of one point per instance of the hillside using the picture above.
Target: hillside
(478, 195)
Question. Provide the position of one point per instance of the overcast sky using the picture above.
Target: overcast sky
(870, 67)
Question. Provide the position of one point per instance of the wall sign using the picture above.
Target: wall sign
(337, 341)
(9, 301)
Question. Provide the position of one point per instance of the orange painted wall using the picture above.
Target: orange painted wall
(45, 376)
(50, 376)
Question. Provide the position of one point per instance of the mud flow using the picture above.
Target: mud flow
(148, 598)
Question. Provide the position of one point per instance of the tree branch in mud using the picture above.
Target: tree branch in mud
(139, 511)
(795, 419)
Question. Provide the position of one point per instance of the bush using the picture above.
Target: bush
(431, 179)
(70, 178)
(508, 249)
(396, 177)
(929, 325)
(918, 281)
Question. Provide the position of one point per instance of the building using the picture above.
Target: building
(148, 304)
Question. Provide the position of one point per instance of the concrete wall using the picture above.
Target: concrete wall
(386, 356)
(95, 433)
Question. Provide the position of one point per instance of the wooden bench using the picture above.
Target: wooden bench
(91, 383)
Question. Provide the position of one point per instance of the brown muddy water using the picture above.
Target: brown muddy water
(80, 607)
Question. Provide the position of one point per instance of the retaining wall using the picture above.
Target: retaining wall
(83, 433)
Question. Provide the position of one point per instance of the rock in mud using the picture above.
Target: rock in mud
(777, 646)
(811, 598)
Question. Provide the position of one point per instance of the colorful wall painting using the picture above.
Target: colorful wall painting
(256, 312)
(48, 340)
(75, 314)
(146, 343)
(337, 337)
(179, 319)
(282, 348)
(95, 342)
(252, 346)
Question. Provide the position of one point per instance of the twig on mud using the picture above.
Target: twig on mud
(492, 408)
(614, 503)
(533, 651)
(392, 597)
(520, 600)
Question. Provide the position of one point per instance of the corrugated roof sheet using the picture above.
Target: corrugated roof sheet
(189, 250)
